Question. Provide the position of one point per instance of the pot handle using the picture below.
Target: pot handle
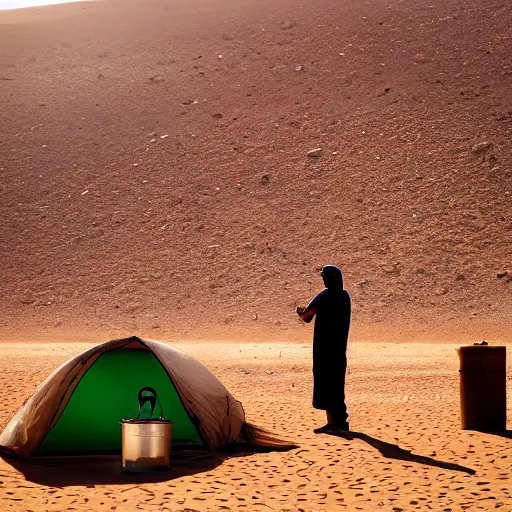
(147, 398)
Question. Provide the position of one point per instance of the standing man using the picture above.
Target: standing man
(332, 308)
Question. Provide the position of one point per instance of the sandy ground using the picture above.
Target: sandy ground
(407, 451)
(155, 180)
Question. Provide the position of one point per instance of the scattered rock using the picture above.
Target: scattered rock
(164, 136)
(441, 291)
(265, 179)
(481, 147)
(505, 275)
(218, 115)
(245, 372)
(362, 283)
(269, 372)
(315, 153)
(421, 59)
(300, 67)
(460, 277)
(394, 269)
(187, 102)
(286, 25)
(157, 78)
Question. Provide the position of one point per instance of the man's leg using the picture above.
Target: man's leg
(337, 417)
(341, 419)
(329, 427)
(340, 415)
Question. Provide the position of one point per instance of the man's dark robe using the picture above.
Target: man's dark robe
(332, 308)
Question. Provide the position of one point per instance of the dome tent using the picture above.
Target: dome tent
(77, 409)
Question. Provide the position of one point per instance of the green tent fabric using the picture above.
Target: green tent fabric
(106, 394)
(77, 409)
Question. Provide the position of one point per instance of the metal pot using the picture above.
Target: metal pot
(146, 443)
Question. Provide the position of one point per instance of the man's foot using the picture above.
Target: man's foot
(326, 429)
(344, 427)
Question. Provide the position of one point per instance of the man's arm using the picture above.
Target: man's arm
(306, 314)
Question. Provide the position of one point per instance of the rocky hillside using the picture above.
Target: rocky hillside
(183, 169)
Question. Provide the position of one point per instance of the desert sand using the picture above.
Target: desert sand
(407, 453)
(156, 179)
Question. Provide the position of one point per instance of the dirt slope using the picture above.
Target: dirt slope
(155, 177)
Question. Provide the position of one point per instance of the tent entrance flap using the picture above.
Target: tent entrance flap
(106, 394)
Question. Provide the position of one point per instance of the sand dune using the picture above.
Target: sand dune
(155, 170)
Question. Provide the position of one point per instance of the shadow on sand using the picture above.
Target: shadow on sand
(90, 470)
(393, 451)
(505, 433)
(103, 470)
(106, 469)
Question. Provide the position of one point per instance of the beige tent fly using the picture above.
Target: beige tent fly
(77, 409)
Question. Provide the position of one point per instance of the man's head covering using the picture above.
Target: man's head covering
(332, 276)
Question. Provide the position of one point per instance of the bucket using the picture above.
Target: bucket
(483, 388)
(146, 443)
